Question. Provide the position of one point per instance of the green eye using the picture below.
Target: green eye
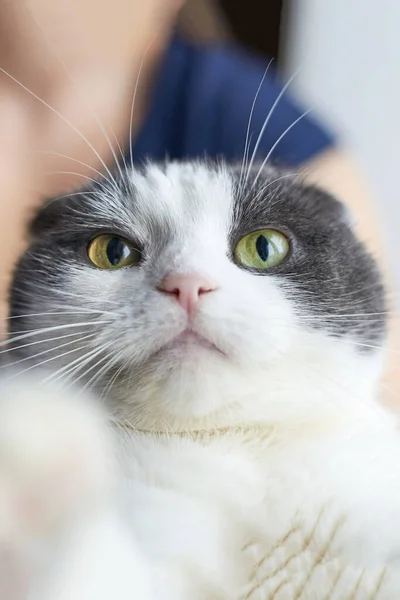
(262, 249)
(112, 252)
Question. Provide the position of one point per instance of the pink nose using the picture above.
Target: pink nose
(186, 288)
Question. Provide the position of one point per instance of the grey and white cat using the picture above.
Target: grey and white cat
(231, 328)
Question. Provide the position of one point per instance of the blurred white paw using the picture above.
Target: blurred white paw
(55, 460)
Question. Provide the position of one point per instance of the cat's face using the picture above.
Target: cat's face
(201, 319)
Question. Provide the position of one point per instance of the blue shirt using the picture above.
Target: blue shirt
(201, 105)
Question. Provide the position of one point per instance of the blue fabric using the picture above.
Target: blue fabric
(201, 105)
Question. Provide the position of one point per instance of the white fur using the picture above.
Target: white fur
(267, 470)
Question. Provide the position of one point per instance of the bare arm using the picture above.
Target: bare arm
(67, 75)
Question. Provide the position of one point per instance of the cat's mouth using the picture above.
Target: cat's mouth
(182, 345)
(190, 339)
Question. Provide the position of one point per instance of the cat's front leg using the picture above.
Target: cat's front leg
(100, 561)
(59, 532)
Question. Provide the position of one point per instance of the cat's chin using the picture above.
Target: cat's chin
(191, 386)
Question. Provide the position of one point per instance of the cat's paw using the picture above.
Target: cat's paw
(55, 460)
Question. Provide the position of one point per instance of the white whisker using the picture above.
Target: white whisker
(99, 362)
(72, 194)
(75, 160)
(74, 365)
(100, 372)
(80, 175)
(267, 120)
(65, 120)
(280, 138)
(33, 356)
(135, 91)
(339, 316)
(50, 329)
(59, 337)
(80, 311)
(270, 183)
(54, 50)
(108, 386)
(247, 141)
(48, 360)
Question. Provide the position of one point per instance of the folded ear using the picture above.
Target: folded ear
(328, 205)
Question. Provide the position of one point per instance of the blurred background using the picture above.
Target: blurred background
(348, 55)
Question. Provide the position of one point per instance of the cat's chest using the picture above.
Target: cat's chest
(303, 563)
(332, 524)
(288, 525)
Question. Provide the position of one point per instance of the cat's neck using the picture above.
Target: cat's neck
(263, 431)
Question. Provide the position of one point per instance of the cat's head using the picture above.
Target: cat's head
(191, 295)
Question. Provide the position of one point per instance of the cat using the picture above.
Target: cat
(203, 421)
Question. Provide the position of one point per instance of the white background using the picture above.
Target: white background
(348, 52)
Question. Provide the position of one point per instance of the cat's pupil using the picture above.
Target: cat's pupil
(262, 247)
(115, 251)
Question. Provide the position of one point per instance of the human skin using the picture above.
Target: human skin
(69, 71)
(67, 79)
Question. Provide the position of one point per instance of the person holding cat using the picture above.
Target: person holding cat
(78, 64)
